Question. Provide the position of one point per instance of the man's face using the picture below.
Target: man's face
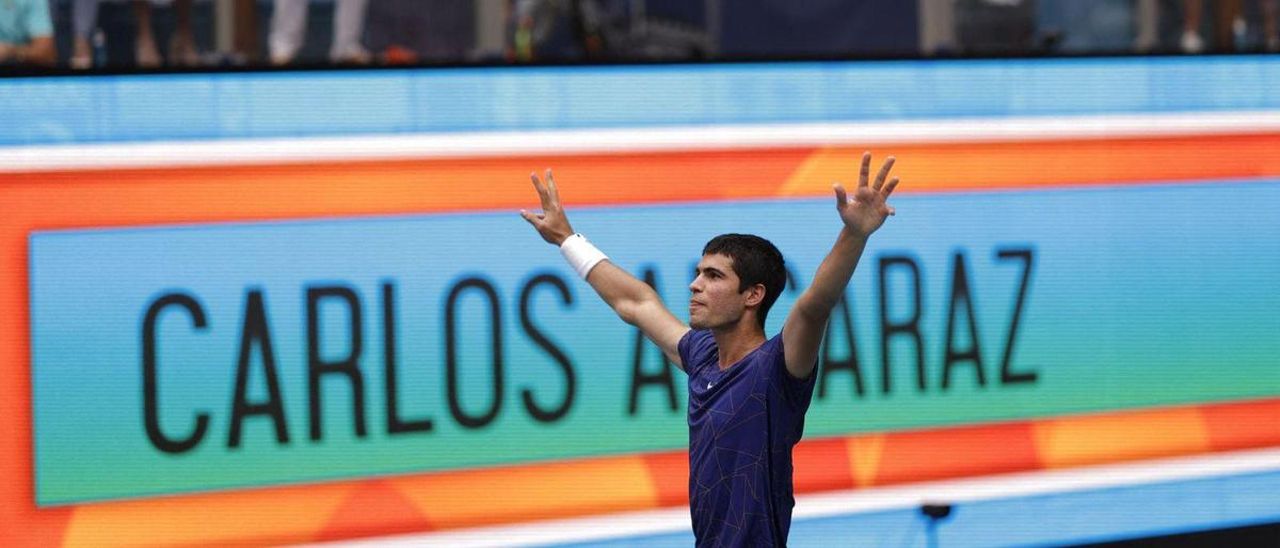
(715, 299)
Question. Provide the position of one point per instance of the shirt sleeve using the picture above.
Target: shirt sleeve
(37, 22)
(796, 391)
(693, 348)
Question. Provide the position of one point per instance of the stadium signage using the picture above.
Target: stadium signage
(199, 357)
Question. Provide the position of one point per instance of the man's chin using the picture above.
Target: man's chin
(697, 324)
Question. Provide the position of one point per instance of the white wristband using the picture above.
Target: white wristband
(582, 256)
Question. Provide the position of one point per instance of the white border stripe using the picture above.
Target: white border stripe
(488, 144)
(1004, 486)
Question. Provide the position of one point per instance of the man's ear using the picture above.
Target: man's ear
(755, 295)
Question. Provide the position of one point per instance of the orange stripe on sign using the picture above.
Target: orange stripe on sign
(539, 491)
(669, 471)
(1112, 437)
(374, 507)
(924, 455)
(1039, 164)
(821, 465)
(270, 516)
(324, 189)
(1242, 425)
(447, 500)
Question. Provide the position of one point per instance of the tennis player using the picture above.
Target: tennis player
(748, 393)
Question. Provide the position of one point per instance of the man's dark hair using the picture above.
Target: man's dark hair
(756, 261)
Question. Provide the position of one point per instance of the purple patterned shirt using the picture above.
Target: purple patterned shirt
(743, 422)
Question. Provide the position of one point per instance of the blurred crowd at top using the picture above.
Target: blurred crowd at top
(153, 34)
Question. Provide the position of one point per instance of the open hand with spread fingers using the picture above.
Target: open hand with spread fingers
(868, 208)
(552, 224)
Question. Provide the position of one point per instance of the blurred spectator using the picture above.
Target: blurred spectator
(830, 28)
(412, 31)
(1092, 26)
(538, 29)
(289, 25)
(1146, 20)
(937, 22)
(182, 44)
(84, 32)
(1231, 27)
(244, 45)
(1271, 24)
(985, 27)
(26, 33)
(1192, 11)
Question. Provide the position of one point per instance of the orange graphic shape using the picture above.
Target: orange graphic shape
(1242, 425)
(670, 473)
(1113, 437)
(821, 465)
(865, 453)
(24, 525)
(373, 508)
(924, 455)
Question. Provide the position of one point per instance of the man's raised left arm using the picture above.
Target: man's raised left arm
(862, 215)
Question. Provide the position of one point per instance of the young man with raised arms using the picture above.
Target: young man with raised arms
(748, 394)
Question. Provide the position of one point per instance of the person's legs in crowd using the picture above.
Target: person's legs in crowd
(394, 30)
(288, 28)
(1071, 26)
(246, 45)
(348, 30)
(1229, 25)
(1270, 25)
(145, 53)
(1147, 20)
(1192, 10)
(84, 23)
(182, 45)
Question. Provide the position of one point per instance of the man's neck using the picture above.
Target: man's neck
(738, 340)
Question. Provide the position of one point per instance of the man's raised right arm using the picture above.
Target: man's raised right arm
(633, 300)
